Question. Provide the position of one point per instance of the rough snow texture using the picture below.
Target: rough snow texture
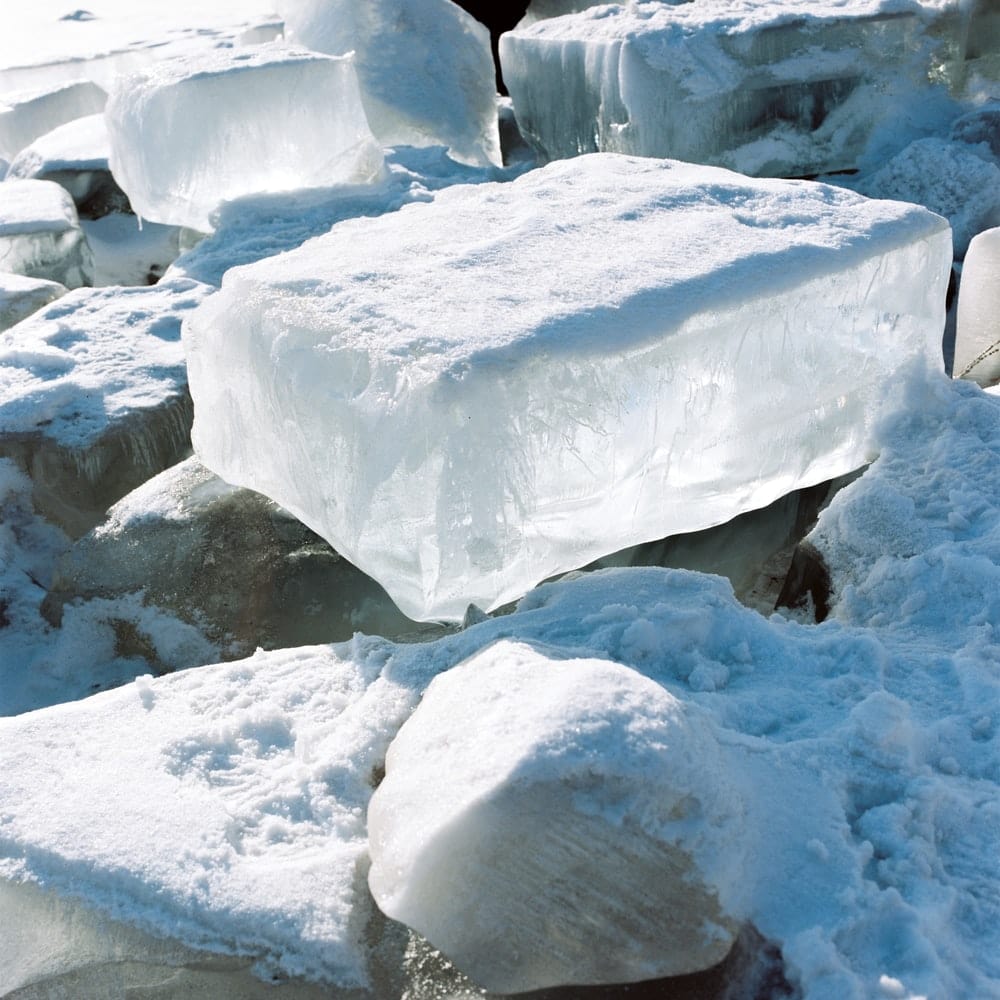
(21, 296)
(190, 133)
(461, 418)
(977, 332)
(26, 116)
(425, 67)
(567, 808)
(770, 89)
(93, 395)
(40, 235)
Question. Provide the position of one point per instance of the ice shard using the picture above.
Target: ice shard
(467, 397)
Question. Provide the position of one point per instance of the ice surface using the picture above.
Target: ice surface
(93, 395)
(21, 296)
(771, 89)
(425, 68)
(26, 116)
(40, 235)
(190, 133)
(570, 808)
(461, 419)
(977, 332)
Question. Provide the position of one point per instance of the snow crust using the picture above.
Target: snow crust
(191, 132)
(425, 68)
(461, 419)
(21, 296)
(977, 334)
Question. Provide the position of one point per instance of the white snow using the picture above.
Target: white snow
(977, 332)
(40, 235)
(425, 68)
(78, 145)
(192, 132)
(24, 116)
(461, 418)
(21, 296)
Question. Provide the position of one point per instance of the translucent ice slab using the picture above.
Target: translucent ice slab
(21, 296)
(977, 334)
(26, 116)
(467, 397)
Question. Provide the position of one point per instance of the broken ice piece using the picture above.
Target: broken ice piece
(21, 296)
(977, 332)
(192, 132)
(40, 235)
(467, 397)
(26, 116)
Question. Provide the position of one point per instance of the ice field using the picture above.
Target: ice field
(460, 546)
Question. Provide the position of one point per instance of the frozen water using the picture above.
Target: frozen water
(40, 235)
(190, 133)
(461, 419)
(787, 89)
(977, 332)
(129, 251)
(425, 67)
(26, 116)
(517, 766)
(21, 296)
(93, 395)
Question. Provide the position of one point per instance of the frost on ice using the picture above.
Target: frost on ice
(464, 399)
(40, 235)
(425, 68)
(573, 812)
(192, 132)
(770, 89)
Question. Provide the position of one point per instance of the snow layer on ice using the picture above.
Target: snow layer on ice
(225, 806)
(977, 332)
(786, 89)
(21, 296)
(516, 766)
(40, 235)
(189, 133)
(425, 67)
(26, 116)
(461, 418)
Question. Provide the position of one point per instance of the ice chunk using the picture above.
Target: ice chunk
(425, 67)
(548, 821)
(977, 332)
(981, 125)
(26, 116)
(781, 89)
(190, 133)
(40, 235)
(93, 395)
(21, 296)
(462, 418)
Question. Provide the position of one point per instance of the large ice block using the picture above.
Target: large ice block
(26, 116)
(469, 396)
(790, 89)
(21, 296)
(190, 133)
(425, 67)
(977, 332)
(40, 235)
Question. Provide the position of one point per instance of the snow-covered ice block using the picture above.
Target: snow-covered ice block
(26, 116)
(549, 821)
(977, 331)
(771, 89)
(462, 418)
(190, 133)
(538, 10)
(21, 296)
(93, 395)
(980, 125)
(425, 68)
(40, 234)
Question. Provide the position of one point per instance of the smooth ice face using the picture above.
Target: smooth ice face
(547, 821)
(21, 296)
(26, 116)
(40, 235)
(467, 397)
(425, 67)
(977, 333)
(190, 133)
(769, 89)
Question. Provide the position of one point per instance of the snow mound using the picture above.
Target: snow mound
(977, 332)
(544, 822)
(462, 419)
(21, 296)
(26, 116)
(190, 133)
(425, 68)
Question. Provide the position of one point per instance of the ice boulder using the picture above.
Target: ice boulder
(771, 89)
(93, 396)
(425, 67)
(24, 116)
(40, 235)
(551, 821)
(192, 132)
(467, 397)
(21, 296)
(977, 331)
